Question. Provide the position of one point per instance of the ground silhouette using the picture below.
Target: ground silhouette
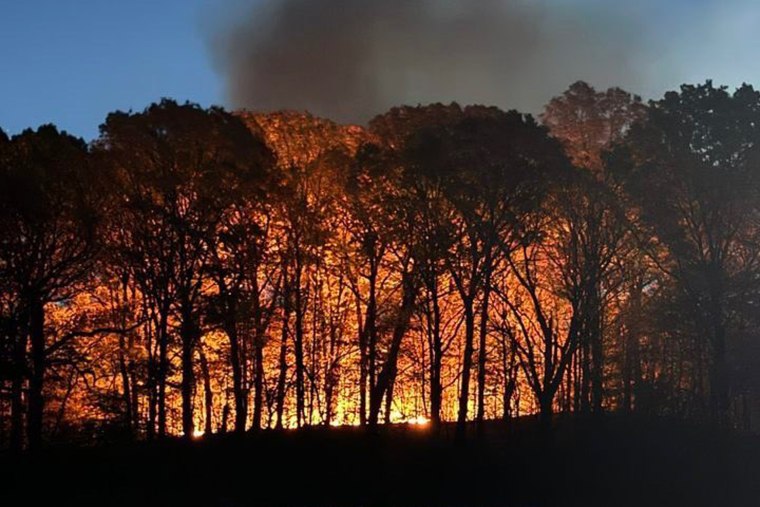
(611, 461)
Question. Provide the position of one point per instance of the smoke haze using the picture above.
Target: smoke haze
(351, 59)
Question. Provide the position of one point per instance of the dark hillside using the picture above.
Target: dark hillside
(613, 462)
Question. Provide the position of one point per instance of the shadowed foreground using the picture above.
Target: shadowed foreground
(614, 462)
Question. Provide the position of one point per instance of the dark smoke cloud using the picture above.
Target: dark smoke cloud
(351, 59)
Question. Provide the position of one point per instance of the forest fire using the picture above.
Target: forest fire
(418, 421)
(322, 294)
(356, 275)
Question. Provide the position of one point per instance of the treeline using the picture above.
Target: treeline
(193, 270)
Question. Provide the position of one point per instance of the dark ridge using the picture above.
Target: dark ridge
(615, 460)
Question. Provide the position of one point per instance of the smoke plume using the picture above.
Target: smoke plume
(351, 59)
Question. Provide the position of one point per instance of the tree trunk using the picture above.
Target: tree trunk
(389, 396)
(363, 357)
(20, 337)
(718, 370)
(585, 372)
(163, 369)
(370, 327)
(482, 355)
(225, 418)
(597, 349)
(208, 394)
(151, 384)
(464, 394)
(126, 369)
(258, 356)
(631, 361)
(283, 363)
(387, 373)
(188, 335)
(719, 386)
(126, 393)
(36, 382)
(298, 349)
(329, 389)
(238, 393)
(132, 373)
(436, 389)
(506, 395)
(258, 384)
(546, 407)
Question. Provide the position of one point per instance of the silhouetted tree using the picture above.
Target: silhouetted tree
(588, 123)
(300, 272)
(180, 169)
(49, 203)
(691, 169)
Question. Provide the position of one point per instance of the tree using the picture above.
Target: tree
(180, 168)
(246, 296)
(495, 164)
(382, 221)
(466, 177)
(304, 146)
(588, 123)
(49, 203)
(691, 171)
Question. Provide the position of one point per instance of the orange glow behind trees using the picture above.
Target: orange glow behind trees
(276, 270)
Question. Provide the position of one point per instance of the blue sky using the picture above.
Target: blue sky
(70, 62)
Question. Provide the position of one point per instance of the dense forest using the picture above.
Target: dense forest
(193, 271)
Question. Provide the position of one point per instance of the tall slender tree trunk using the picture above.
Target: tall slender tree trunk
(464, 394)
(631, 360)
(718, 371)
(35, 402)
(483, 353)
(329, 390)
(151, 384)
(258, 355)
(370, 325)
(510, 381)
(188, 335)
(389, 399)
(126, 368)
(585, 374)
(258, 383)
(363, 359)
(577, 376)
(567, 392)
(387, 373)
(132, 374)
(718, 367)
(20, 336)
(163, 367)
(436, 388)
(150, 430)
(332, 375)
(208, 393)
(238, 392)
(36, 383)
(126, 391)
(283, 364)
(298, 345)
(597, 347)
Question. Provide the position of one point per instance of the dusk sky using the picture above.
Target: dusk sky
(70, 62)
